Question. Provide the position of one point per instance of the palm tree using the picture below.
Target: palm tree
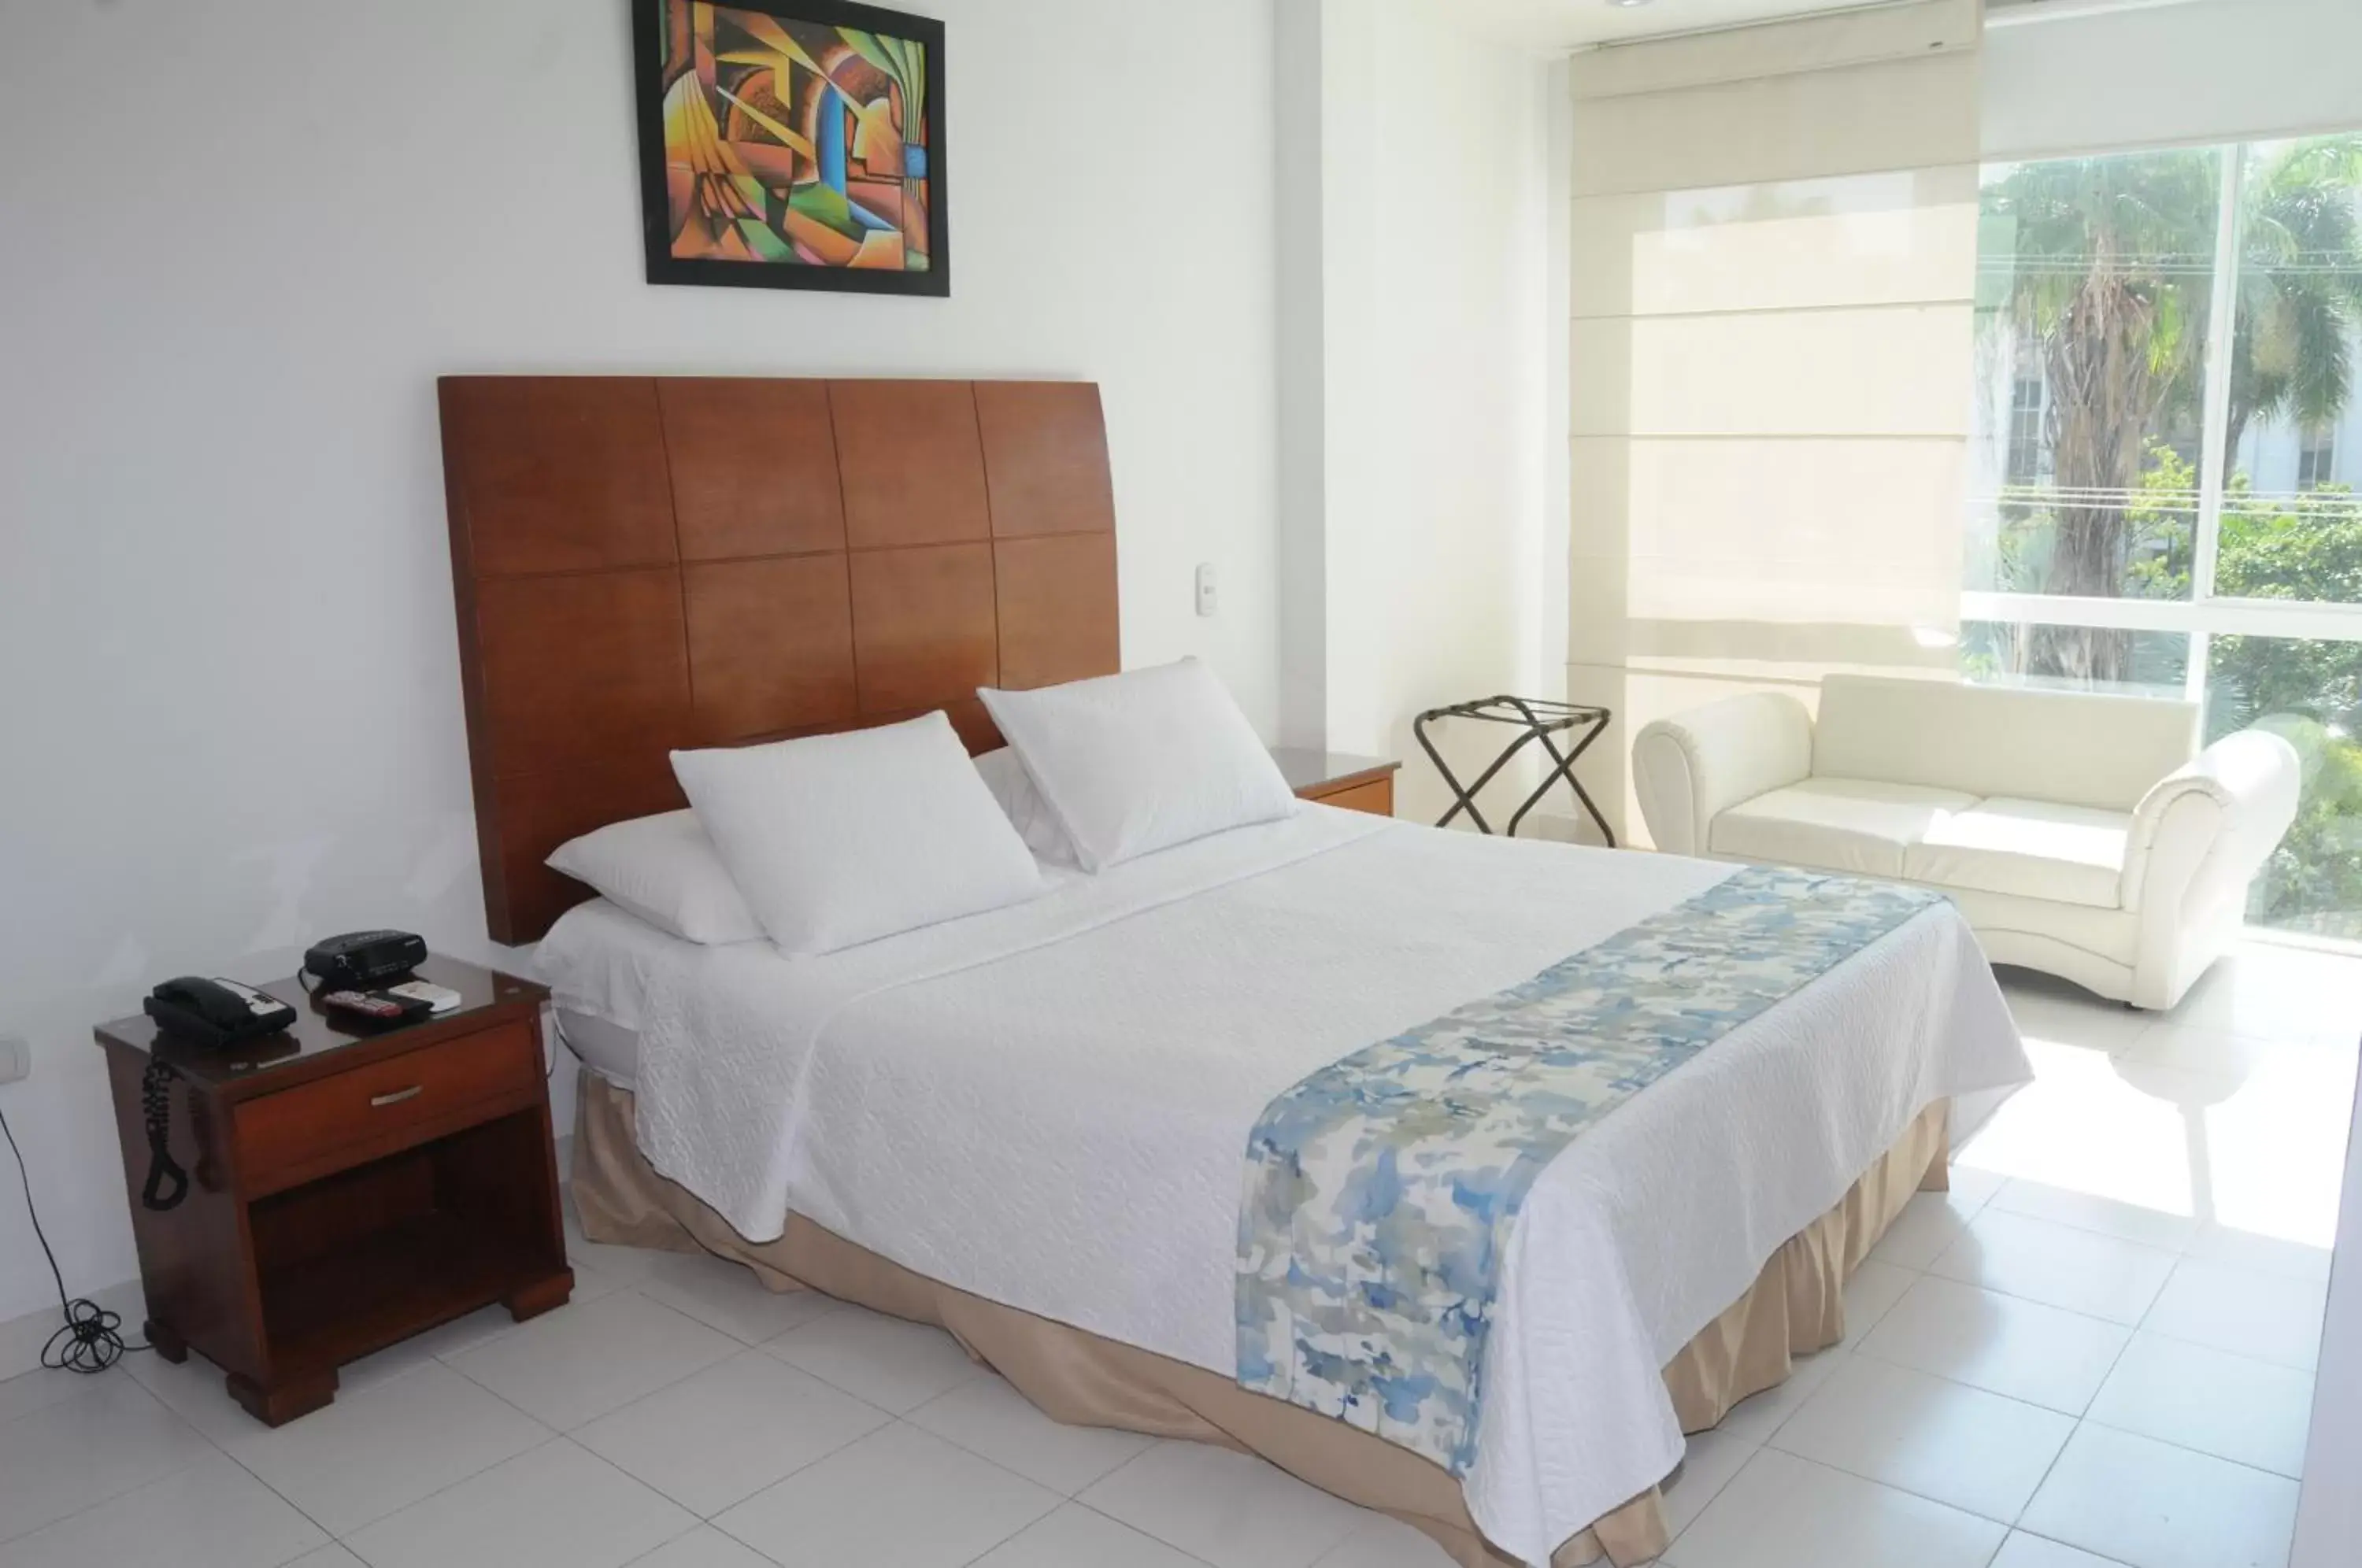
(2110, 273)
(2299, 287)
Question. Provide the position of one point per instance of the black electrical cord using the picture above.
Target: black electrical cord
(91, 1339)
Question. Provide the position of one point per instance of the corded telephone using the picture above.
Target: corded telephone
(215, 1013)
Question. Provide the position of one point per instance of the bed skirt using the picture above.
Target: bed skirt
(1797, 1306)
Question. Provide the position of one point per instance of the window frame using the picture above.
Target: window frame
(2205, 614)
(2316, 457)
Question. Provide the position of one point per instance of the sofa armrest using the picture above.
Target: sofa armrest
(2203, 831)
(1690, 768)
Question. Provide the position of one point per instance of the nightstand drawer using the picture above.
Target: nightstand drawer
(300, 1133)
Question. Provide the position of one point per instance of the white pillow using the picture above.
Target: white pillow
(1005, 776)
(842, 839)
(663, 869)
(1142, 761)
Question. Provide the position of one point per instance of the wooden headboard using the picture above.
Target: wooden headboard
(643, 564)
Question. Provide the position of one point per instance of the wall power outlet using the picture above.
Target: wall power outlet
(15, 1058)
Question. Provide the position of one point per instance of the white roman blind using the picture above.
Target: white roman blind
(1773, 251)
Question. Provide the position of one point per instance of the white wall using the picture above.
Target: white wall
(1435, 367)
(238, 242)
(2207, 71)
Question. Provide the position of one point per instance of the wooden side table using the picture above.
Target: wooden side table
(349, 1185)
(1335, 778)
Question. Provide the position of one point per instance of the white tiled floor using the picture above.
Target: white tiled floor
(2103, 1355)
(2095, 1351)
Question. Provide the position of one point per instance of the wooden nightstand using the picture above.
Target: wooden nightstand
(1333, 778)
(349, 1186)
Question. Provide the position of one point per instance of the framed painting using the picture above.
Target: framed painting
(793, 143)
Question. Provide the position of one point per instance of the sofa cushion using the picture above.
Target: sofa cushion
(2084, 748)
(2072, 854)
(1835, 824)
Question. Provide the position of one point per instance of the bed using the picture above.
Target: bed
(1029, 1125)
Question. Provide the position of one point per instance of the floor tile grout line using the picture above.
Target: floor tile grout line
(1021, 1529)
(2114, 1361)
(762, 1347)
(942, 1437)
(563, 1431)
(1753, 1449)
(2052, 1468)
(318, 1524)
(111, 1497)
(568, 1434)
(841, 1388)
(2037, 1535)
(2076, 1418)
(2084, 1417)
(549, 1433)
(345, 1540)
(2312, 1372)
(728, 1534)
(2014, 1295)
(1137, 1530)
(553, 1434)
(2185, 1448)
(674, 1538)
(2178, 1251)
(890, 1420)
(1909, 1492)
(2078, 1230)
(1981, 1388)
(98, 1384)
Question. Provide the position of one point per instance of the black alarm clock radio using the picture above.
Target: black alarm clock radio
(363, 958)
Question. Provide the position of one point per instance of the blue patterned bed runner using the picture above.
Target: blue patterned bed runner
(1381, 1190)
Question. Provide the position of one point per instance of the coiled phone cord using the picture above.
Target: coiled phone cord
(91, 1339)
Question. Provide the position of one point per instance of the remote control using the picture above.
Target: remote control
(380, 1006)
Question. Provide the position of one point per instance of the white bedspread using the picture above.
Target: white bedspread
(1048, 1105)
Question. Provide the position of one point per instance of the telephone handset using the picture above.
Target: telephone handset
(210, 1013)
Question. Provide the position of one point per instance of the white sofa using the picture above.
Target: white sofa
(2084, 836)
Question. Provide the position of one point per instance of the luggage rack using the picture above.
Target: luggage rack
(1538, 720)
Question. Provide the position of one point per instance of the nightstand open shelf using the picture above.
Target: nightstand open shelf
(361, 1260)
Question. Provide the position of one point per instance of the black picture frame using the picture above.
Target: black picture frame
(664, 267)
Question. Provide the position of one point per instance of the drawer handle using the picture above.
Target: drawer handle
(397, 1097)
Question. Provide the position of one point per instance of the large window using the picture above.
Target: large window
(2163, 464)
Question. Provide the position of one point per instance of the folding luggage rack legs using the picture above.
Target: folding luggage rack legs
(1539, 721)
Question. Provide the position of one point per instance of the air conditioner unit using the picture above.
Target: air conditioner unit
(2015, 13)
(1863, 35)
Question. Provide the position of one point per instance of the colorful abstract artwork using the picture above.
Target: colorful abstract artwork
(792, 145)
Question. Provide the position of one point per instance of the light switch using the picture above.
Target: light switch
(15, 1058)
(1206, 592)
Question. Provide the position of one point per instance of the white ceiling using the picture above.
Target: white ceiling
(1563, 24)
